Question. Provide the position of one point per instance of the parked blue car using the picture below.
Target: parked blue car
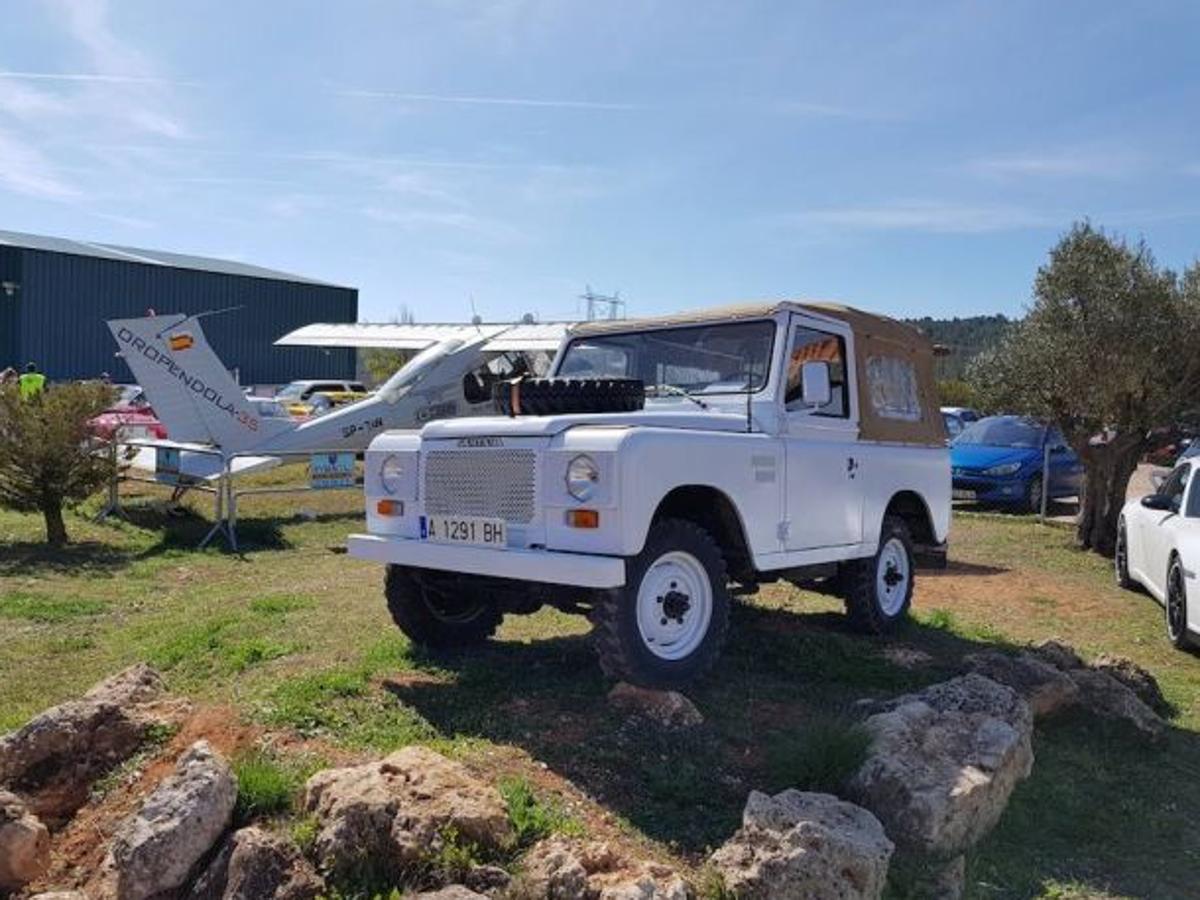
(999, 460)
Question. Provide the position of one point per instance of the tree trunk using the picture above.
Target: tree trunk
(1106, 481)
(56, 528)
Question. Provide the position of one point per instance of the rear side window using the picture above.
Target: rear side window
(892, 384)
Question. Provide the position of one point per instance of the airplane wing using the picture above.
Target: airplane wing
(199, 466)
(401, 336)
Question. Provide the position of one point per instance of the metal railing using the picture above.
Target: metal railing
(221, 484)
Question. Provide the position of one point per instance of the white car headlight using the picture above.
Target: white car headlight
(1003, 469)
(582, 477)
(391, 473)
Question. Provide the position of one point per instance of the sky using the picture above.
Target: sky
(499, 156)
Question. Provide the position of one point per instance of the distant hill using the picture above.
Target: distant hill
(965, 338)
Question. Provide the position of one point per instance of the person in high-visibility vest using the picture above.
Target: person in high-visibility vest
(32, 382)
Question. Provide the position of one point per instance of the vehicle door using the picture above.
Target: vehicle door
(1158, 527)
(1066, 469)
(824, 500)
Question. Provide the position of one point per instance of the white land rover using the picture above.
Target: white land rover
(664, 460)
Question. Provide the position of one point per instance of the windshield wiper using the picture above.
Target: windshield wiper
(676, 391)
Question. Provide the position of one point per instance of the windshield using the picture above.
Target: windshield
(1003, 431)
(706, 359)
(411, 373)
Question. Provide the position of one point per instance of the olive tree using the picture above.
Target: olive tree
(1107, 351)
(47, 457)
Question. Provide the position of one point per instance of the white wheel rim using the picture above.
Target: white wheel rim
(892, 576)
(674, 605)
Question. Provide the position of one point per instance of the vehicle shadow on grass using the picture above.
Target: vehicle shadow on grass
(785, 680)
(780, 712)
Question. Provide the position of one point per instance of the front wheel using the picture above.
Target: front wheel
(1177, 611)
(1033, 495)
(878, 590)
(667, 625)
(1121, 557)
(441, 617)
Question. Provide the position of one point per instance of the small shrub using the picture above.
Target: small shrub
(453, 858)
(531, 818)
(266, 785)
(304, 832)
(821, 758)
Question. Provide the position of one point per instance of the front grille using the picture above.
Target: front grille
(496, 484)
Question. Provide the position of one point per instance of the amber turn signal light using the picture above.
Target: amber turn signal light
(390, 507)
(583, 518)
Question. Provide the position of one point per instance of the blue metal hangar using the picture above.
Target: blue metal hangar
(55, 295)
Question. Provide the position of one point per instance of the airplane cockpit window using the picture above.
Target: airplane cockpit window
(479, 382)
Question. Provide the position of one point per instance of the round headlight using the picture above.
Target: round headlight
(391, 473)
(582, 476)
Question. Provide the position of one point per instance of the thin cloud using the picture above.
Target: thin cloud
(94, 78)
(466, 100)
(1059, 164)
(23, 170)
(930, 217)
(806, 109)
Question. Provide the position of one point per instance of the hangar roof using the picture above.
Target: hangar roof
(148, 257)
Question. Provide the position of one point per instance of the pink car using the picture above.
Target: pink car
(132, 416)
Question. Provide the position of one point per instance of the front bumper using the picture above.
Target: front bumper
(546, 566)
(992, 490)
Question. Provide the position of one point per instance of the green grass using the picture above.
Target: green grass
(532, 817)
(40, 608)
(267, 784)
(295, 637)
(819, 756)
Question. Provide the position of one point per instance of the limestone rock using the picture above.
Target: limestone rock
(53, 760)
(453, 892)
(669, 709)
(1045, 687)
(1107, 697)
(943, 763)
(397, 810)
(805, 846)
(156, 848)
(1134, 677)
(60, 895)
(560, 868)
(24, 844)
(1061, 656)
(255, 864)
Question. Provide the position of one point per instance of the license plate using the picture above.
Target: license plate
(475, 530)
(963, 495)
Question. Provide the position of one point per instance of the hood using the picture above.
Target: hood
(541, 426)
(983, 456)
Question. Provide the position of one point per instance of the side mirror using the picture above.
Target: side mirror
(1160, 502)
(814, 381)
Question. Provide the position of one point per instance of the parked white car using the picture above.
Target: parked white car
(778, 441)
(1158, 547)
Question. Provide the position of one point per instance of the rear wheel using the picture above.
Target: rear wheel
(1177, 612)
(667, 625)
(438, 618)
(1121, 557)
(878, 590)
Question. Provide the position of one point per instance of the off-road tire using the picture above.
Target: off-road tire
(1177, 632)
(559, 396)
(618, 639)
(857, 583)
(421, 614)
(1121, 558)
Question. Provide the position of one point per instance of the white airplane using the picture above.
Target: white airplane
(204, 410)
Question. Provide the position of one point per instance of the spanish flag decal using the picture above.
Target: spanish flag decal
(181, 341)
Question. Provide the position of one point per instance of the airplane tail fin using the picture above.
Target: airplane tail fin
(192, 393)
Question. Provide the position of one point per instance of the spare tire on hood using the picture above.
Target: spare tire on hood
(558, 396)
